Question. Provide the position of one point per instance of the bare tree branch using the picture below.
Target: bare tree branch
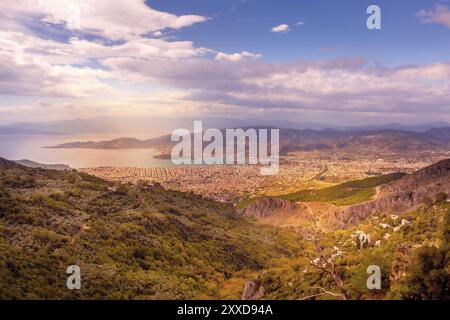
(325, 263)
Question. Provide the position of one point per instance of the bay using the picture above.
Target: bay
(32, 147)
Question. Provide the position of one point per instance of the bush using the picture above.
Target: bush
(441, 197)
(428, 202)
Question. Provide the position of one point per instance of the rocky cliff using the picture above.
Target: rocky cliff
(278, 212)
(400, 195)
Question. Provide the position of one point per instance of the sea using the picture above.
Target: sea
(33, 147)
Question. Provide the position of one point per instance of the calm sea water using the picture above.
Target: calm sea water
(32, 148)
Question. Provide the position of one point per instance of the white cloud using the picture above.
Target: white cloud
(281, 28)
(86, 68)
(113, 19)
(23, 72)
(36, 66)
(139, 48)
(235, 57)
(336, 85)
(440, 14)
(300, 23)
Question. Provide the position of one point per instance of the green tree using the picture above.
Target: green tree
(430, 274)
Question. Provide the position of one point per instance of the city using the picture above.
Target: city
(232, 183)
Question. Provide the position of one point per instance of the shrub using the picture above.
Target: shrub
(441, 197)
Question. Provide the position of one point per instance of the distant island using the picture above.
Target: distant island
(163, 156)
(161, 144)
(119, 143)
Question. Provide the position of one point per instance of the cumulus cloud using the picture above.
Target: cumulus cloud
(76, 50)
(112, 19)
(440, 14)
(281, 28)
(36, 63)
(234, 57)
(127, 51)
(154, 49)
(23, 74)
(35, 66)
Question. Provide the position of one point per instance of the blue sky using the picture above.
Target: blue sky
(332, 28)
(86, 58)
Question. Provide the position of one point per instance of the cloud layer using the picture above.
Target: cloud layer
(119, 45)
(112, 19)
(335, 85)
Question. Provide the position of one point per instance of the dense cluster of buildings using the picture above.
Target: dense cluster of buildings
(234, 182)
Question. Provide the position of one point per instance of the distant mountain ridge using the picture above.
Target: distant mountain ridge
(159, 125)
(292, 140)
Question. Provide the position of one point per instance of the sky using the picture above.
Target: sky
(305, 61)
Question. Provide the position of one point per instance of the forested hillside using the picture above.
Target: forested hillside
(129, 241)
(145, 242)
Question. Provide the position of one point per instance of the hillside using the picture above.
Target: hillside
(435, 177)
(130, 241)
(401, 195)
(145, 242)
(349, 203)
(33, 164)
(277, 212)
(347, 193)
(411, 251)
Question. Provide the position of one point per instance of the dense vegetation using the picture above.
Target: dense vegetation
(414, 260)
(130, 241)
(145, 242)
(429, 277)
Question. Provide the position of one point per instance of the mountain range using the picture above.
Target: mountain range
(293, 140)
(160, 125)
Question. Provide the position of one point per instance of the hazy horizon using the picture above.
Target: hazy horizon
(167, 124)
